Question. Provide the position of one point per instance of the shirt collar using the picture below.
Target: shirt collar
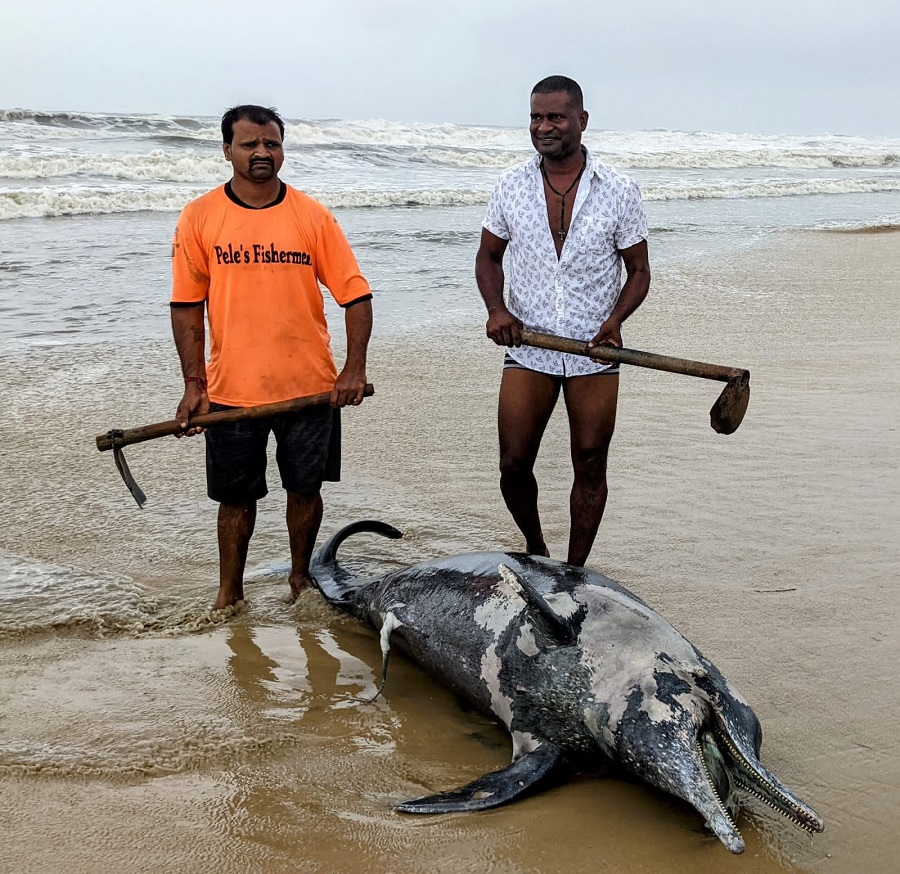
(593, 165)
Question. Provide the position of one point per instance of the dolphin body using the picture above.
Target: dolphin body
(581, 672)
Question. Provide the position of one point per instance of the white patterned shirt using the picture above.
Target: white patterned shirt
(571, 295)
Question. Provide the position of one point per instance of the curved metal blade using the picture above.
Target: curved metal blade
(727, 412)
(136, 491)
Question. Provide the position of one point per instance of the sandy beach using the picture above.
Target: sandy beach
(140, 734)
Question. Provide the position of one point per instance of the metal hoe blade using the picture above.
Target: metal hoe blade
(119, 456)
(727, 412)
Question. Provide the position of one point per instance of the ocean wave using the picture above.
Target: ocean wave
(882, 226)
(683, 160)
(478, 145)
(48, 201)
(155, 166)
(726, 190)
(30, 124)
(381, 132)
(192, 166)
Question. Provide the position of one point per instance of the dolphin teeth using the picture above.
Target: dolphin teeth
(794, 813)
(722, 808)
(794, 819)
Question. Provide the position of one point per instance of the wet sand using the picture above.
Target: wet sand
(139, 735)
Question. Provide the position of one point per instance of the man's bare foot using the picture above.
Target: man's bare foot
(228, 598)
(300, 584)
(538, 549)
(218, 615)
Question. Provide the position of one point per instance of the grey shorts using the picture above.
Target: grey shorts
(512, 364)
(308, 453)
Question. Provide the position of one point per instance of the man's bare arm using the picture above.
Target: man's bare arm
(637, 284)
(351, 382)
(189, 332)
(502, 326)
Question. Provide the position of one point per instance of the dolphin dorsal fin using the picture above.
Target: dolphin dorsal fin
(560, 627)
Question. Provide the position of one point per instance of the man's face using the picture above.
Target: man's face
(255, 151)
(556, 125)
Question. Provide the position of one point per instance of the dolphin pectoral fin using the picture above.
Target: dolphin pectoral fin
(561, 629)
(493, 789)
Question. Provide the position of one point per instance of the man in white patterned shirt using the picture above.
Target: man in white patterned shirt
(569, 222)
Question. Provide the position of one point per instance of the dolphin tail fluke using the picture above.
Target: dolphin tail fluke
(327, 552)
(499, 787)
(332, 581)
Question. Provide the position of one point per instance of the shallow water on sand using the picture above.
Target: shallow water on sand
(140, 733)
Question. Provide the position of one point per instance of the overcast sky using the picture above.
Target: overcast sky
(767, 66)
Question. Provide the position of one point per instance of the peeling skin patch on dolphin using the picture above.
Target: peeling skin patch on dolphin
(390, 623)
(510, 579)
(604, 734)
(526, 642)
(617, 664)
(501, 703)
(657, 710)
(498, 611)
(562, 603)
(523, 742)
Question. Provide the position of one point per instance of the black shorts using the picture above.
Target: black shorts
(308, 453)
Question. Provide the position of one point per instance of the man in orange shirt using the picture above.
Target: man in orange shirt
(253, 252)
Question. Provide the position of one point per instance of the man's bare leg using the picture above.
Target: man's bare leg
(304, 516)
(591, 405)
(235, 527)
(527, 399)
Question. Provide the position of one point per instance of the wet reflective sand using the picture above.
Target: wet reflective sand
(140, 734)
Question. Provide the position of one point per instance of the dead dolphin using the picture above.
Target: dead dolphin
(579, 670)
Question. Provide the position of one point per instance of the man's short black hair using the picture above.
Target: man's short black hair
(252, 112)
(555, 84)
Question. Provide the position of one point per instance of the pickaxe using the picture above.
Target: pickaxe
(117, 438)
(727, 412)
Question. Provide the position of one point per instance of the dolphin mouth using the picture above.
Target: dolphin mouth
(750, 776)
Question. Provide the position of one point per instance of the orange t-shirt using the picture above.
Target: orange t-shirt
(259, 271)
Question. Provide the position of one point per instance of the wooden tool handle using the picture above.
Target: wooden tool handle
(128, 436)
(631, 356)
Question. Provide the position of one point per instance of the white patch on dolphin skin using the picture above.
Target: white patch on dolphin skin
(510, 579)
(657, 710)
(498, 611)
(526, 642)
(563, 604)
(390, 623)
(490, 672)
(602, 732)
(495, 615)
(523, 742)
(621, 641)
